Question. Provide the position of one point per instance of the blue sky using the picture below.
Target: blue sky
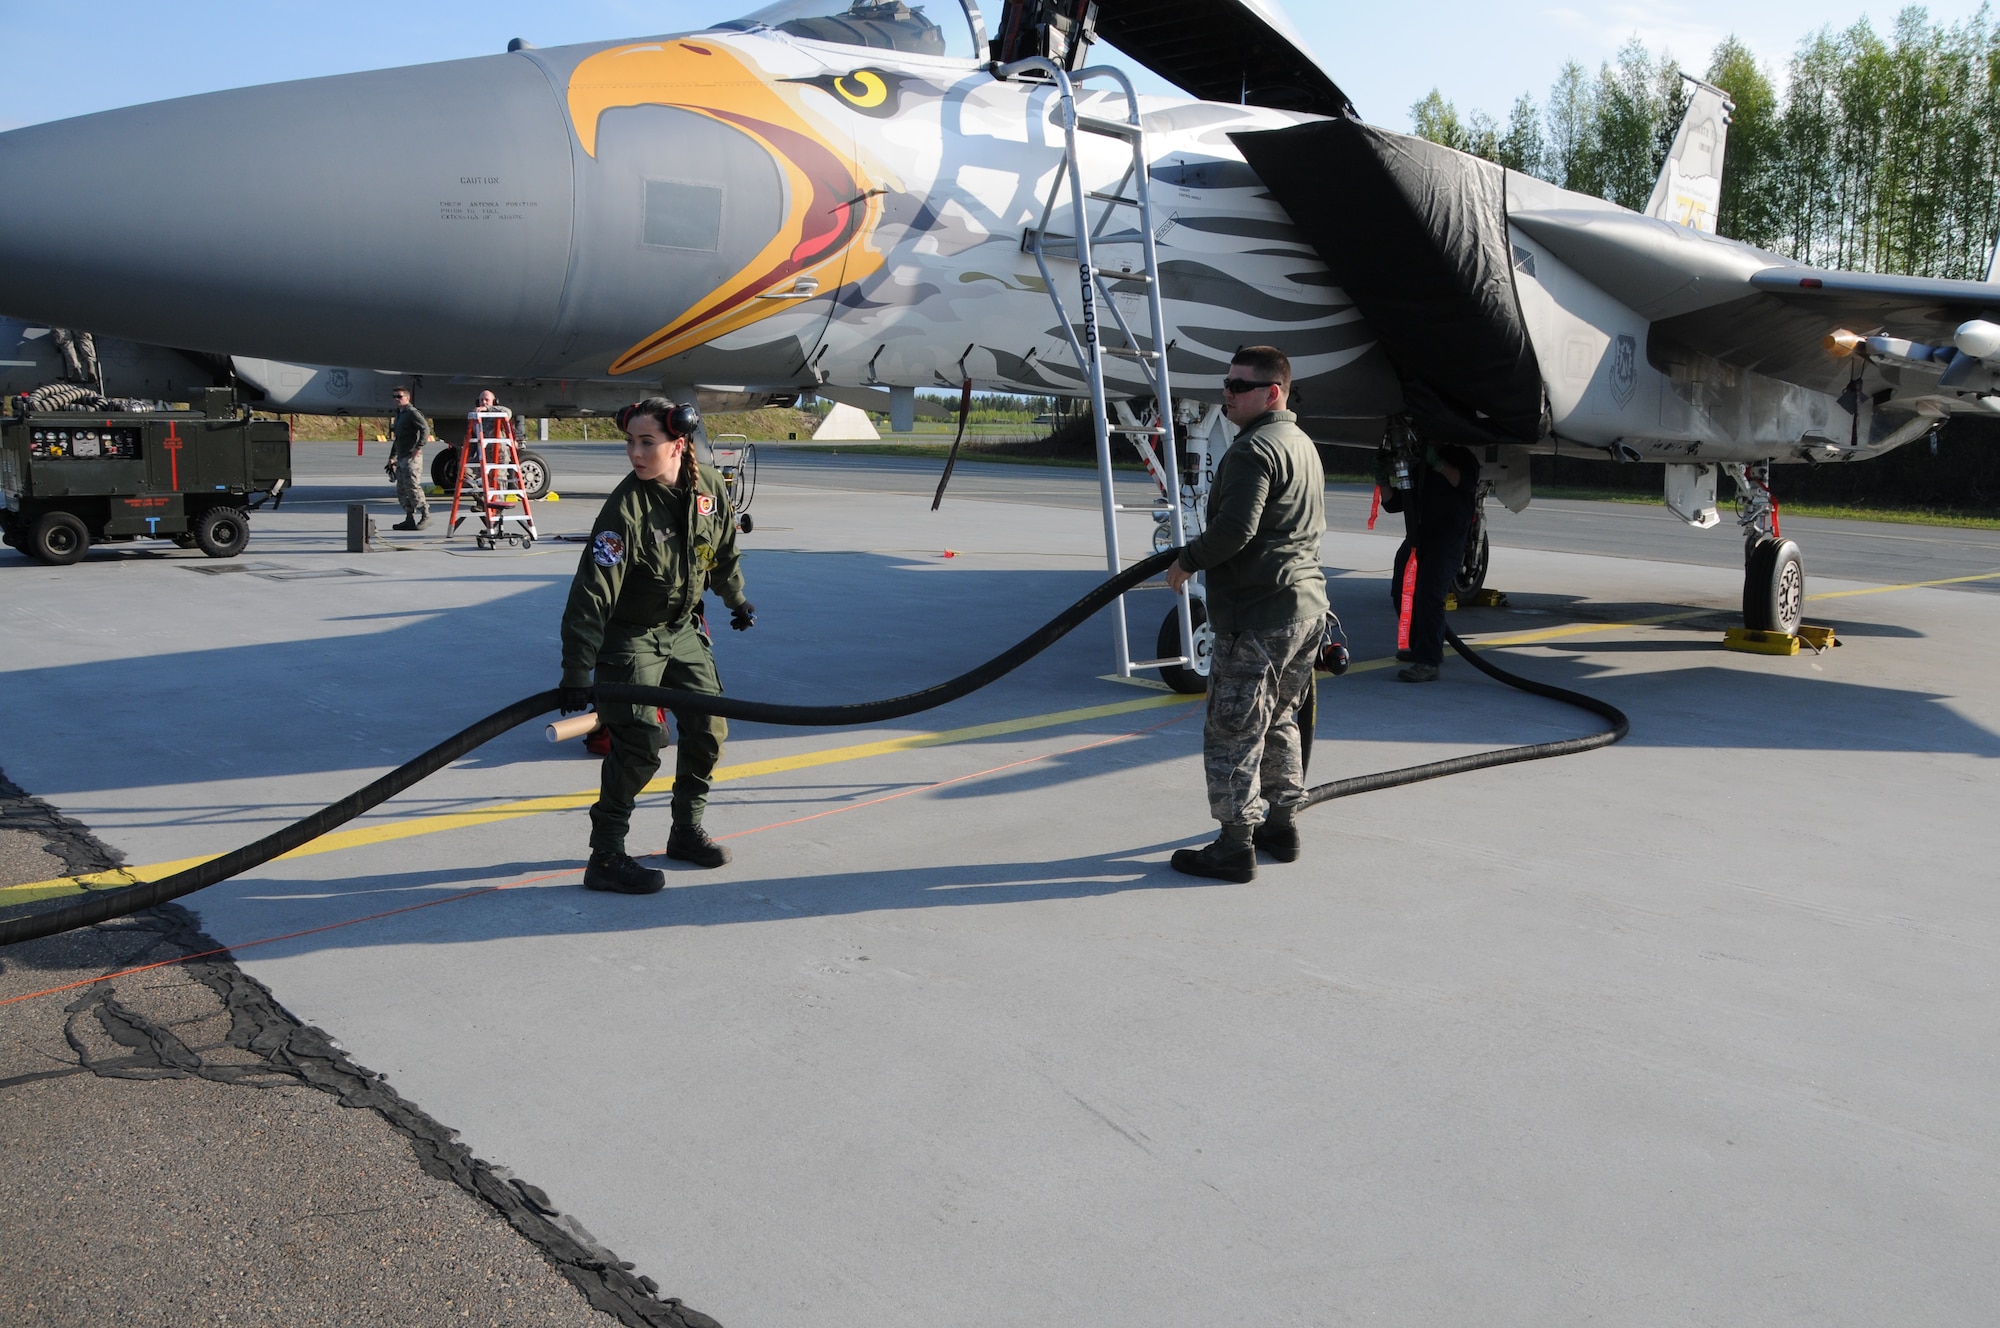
(70, 57)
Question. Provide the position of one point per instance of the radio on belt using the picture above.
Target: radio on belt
(70, 479)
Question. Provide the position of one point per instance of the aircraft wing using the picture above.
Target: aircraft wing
(1224, 50)
(1746, 307)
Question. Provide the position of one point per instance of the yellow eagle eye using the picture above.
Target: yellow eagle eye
(872, 90)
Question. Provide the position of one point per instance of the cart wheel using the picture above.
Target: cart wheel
(746, 523)
(536, 477)
(59, 539)
(222, 531)
(527, 541)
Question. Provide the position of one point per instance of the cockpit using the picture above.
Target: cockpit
(941, 27)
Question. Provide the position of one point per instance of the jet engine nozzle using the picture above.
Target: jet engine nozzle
(1841, 344)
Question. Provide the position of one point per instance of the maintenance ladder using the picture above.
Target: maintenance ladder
(490, 466)
(1154, 440)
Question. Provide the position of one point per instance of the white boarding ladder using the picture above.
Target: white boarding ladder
(1129, 201)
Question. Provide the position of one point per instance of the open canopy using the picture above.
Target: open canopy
(1223, 50)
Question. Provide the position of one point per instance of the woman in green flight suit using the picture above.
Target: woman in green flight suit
(666, 535)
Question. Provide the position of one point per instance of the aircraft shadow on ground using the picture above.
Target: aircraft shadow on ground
(361, 702)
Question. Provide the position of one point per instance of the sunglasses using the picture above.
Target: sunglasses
(1242, 385)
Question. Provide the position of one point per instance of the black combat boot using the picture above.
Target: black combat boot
(407, 523)
(1229, 858)
(1279, 834)
(690, 843)
(614, 871)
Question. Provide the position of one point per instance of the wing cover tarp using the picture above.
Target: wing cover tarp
(1416, 234)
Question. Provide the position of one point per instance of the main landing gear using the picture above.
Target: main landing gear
(1774, 575)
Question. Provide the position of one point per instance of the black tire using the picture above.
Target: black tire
(746, 523)
(1187, 679)
(536, 476)
(59, 539)
(1471, 577)
(222, 532)
(444, 469)
(1774, 588)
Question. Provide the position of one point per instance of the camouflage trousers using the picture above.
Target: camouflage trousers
(1250, 745)
(410, 483)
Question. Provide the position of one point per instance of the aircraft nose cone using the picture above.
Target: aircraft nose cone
(416, 218)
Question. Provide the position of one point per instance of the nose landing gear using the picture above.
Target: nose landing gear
(1774, 573)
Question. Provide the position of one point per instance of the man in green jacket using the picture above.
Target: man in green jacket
(666, 535)
(1266, 606)
(407, 431)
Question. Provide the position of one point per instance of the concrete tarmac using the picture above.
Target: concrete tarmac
(1695, 1029)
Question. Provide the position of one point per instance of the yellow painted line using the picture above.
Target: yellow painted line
(389, 831)
(1908, 585)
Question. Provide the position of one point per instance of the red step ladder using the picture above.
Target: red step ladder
(489, 482)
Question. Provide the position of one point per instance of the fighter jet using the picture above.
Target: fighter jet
(855, 196)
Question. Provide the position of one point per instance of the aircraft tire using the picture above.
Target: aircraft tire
(1187, 679)
(536, 476)
(1471, 577)
(1774, 587)
(444, 469)
(59, 539)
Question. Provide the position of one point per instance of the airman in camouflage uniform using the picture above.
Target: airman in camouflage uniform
(1266, 605)
(407, 430)
(666, 535)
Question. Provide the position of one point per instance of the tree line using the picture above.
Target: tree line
(1879, 154)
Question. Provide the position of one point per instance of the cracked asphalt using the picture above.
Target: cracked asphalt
(160, 1173)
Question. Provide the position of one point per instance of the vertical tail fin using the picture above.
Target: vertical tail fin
(1689, 191)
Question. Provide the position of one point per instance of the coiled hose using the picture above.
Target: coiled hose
(103, 905)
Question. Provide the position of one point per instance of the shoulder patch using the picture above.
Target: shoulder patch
(608, 549)
(705, 504)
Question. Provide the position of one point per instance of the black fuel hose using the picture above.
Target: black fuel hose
(101, 906)
(1458, 765)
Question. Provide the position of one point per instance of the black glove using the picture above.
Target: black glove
(390, 470)
(742, 616)
(573, 699)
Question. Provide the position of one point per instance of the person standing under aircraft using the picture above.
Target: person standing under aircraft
(489, 405)
(1266, 605)
(666, 535)
(407, 429)
(1437, 518)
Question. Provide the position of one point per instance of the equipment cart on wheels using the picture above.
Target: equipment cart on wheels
(71, 478)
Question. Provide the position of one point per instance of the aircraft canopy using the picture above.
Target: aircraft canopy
(1224, 50)
(940, 27)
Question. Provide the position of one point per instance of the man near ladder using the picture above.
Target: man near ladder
(1267, 606)
(407, 429)
(666, 535)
